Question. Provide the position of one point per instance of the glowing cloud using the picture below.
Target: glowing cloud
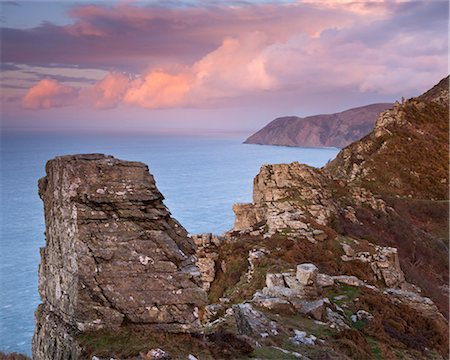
(158, 89)
(107, 93)
(49, 93)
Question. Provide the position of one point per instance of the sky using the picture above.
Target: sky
(223, 65)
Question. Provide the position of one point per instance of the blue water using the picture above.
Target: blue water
(200, 176)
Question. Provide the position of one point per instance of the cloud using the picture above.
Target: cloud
(107, 93)
(131, 38)
(159, 89)
(398, 48)
(49, 93)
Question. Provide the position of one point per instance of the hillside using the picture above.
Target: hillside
(331, 130)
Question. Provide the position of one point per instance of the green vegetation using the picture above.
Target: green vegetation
(376, 351)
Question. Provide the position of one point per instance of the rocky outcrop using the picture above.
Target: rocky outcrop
(383, 261)
(113, 254)
(333, 130)
(207, 254)
(287, 197)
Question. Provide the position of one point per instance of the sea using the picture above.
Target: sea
(200, 174)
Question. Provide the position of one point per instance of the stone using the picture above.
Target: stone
(335, 320)
(274, 304)
(157, 354)
(212, 311)
(363, 315)
(307, 273)
(286, 196)
(324, 280)
(383, 261)
(112, 252)
(207, 254)
(301, 338)
(254, 256)
(348, 250)
(251, 322)
(280, 292)
(273, 280)
(313, 308)
(422, 304)
(348, 280)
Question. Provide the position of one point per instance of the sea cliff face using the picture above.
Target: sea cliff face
(113, 255)
(331, 130)
(332, 263)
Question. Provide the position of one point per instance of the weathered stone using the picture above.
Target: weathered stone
(420, 303)
(112, 250)
(307, 274)
(335, 320)
(280, 292)
(324, 280)
(53, 338)
(314, 308)
(247, 216)
(212, 311)
(275, 304)
(348, 280)
(157, 354)
(383, 261)
(252, 322)
(300, 337)
(273, 280)
(284, 196)
(362, 315)
(254, 256)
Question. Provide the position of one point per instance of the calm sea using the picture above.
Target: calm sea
(200, 176)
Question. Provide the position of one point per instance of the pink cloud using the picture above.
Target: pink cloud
(159, 89)
(217, 55)
(107, 93)
(49, 93)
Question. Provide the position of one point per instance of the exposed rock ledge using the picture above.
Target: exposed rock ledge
(113, 255)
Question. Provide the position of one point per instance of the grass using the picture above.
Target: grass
(127, 342)
(376, 351)
(269, 353)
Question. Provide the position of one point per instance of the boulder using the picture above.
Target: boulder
(324, 280)
(273, 280)
(307, 274)
(252, 322)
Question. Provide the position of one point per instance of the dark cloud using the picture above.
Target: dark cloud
(61, 78)
(9, 66)
(130, 37)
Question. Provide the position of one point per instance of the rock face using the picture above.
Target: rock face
(288, 196)
(207, 255)
(113, 253)
(333, 130)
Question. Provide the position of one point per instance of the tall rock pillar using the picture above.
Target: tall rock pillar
(113, 255)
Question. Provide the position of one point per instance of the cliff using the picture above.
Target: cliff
(114, 256)
(331, 130)
(388, 191)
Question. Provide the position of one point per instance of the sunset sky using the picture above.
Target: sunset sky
(232, 65)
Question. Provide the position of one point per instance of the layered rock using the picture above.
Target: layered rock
(207, 254)
(288, 197)
(113, 253)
